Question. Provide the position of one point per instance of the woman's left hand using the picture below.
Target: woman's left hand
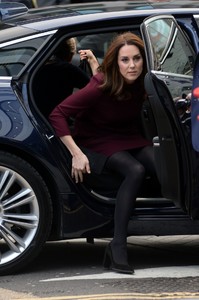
(91, 59)
(86, 54)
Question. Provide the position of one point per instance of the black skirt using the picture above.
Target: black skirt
(97, 161)
(100, 179)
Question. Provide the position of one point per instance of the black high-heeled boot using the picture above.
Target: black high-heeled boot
(109, 263)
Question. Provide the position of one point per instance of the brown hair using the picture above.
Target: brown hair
(66, 50)
(114, 83)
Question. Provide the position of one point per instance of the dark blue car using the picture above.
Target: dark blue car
(39, 200)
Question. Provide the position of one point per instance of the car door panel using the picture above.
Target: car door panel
(170, 60)
(166, 141)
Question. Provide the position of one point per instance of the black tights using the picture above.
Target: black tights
(133, 167)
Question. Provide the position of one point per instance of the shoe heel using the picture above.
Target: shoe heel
(109, 263)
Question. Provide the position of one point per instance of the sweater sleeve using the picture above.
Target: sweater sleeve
(79, 101)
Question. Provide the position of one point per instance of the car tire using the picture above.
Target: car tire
(25, 213)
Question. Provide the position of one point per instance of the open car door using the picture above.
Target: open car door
(170, 59)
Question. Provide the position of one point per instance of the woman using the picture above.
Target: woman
(108, 125)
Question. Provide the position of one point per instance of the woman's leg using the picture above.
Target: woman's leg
(133, 172)
(146, 157)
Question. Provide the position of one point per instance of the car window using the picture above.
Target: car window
(173, 53)
(98, 43)
(15, 56)
(197, 20)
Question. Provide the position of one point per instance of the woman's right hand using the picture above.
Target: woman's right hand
(80, 166)
(80, 162)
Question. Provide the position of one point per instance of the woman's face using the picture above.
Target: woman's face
(130, 62)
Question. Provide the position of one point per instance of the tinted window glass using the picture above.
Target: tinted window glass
(197, 20)
(173, 62)
(14, 57)
(98, 43)
(172, 52)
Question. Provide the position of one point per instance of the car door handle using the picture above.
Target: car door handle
(166, 139)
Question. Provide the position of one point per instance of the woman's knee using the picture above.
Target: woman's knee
(146, 158)
(126, 165)
(136, 171)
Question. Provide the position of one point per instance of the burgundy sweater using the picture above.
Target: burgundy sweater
(102, 124)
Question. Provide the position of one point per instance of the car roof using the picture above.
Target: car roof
(49, 18)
